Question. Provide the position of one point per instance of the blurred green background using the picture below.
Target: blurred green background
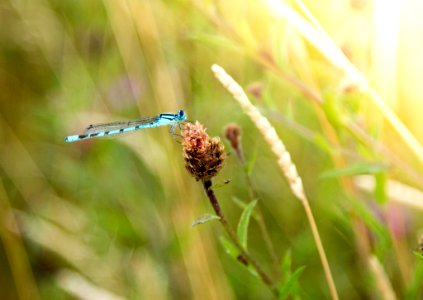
(112, 217)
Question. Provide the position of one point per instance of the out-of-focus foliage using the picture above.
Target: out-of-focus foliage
(112, 217)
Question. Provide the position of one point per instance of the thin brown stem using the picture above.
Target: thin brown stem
(322, 254)
(234, 238)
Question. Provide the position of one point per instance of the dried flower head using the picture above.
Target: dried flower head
(203, 155)
(233, 134)
(256, 89)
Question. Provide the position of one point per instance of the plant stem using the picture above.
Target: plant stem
(284, 161)
(232, 235)
(260, 219)
(322, 254)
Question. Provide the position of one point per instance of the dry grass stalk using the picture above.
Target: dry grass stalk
(382, 282)
(283, 159)
(268, 132)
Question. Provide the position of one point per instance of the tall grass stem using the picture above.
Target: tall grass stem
(283, 159)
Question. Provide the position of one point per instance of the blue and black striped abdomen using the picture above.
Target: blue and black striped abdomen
(115, 128)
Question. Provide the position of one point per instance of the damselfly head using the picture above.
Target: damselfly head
(181, 115)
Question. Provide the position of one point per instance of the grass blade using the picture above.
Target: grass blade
(203, 219)
(242, 230)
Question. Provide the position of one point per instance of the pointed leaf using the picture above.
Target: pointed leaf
(234, 253)
(376, 226)
(286, 264)
(229, 247)
(221, 184)
(241, 204)
(243, 223)
(204, 218)
(356, 169)
(290, 286)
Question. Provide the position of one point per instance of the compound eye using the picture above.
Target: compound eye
(181, 113)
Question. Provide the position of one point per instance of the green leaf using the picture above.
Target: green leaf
(217, 40)
(241, 204)
(286, 264)
(221, 184)
(419, 255)
(380, 232)
(204, 218)
(332, 109)
(229, 247)
(321, 142)
(242, 230)
(380, 188)
(357, 169)
(290, 285)
(415, 286)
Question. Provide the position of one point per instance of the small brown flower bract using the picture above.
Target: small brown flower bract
(233, 134)
(203, 155)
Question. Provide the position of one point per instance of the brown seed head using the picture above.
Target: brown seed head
(203, 155)
(256, 89)
(233, 134)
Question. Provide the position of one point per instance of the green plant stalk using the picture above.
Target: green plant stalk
(234, 238)
(260, 219)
